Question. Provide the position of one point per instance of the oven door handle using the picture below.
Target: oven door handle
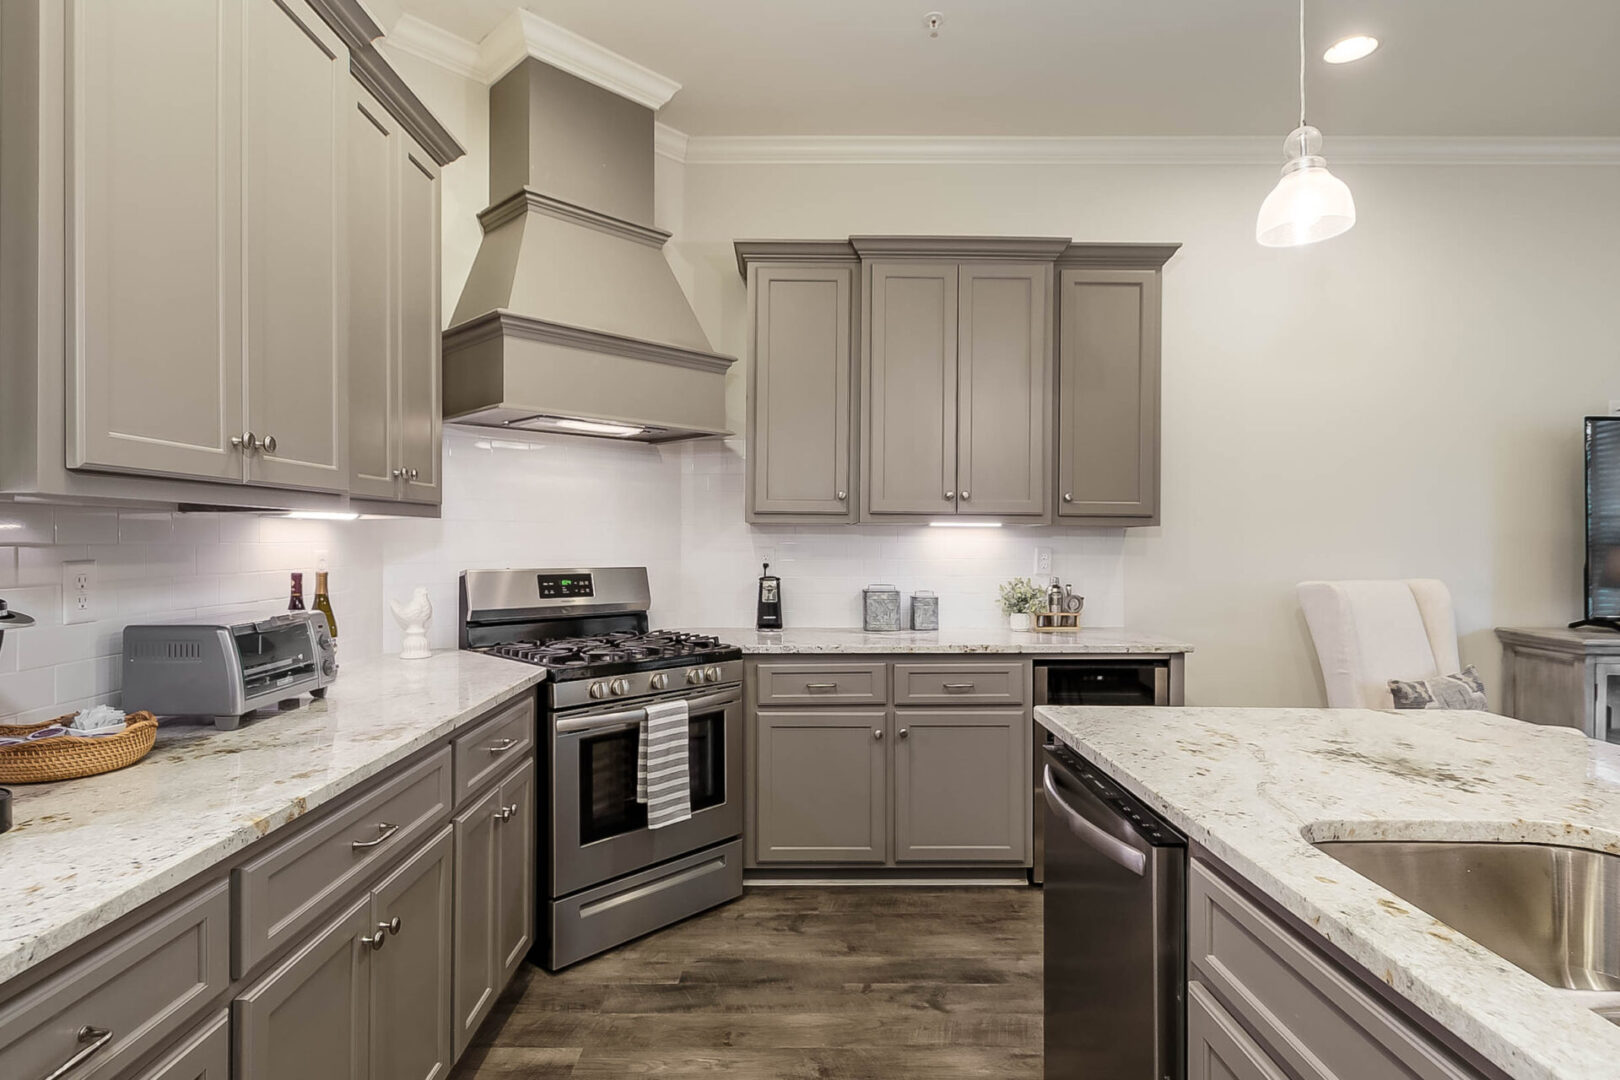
(580, 724)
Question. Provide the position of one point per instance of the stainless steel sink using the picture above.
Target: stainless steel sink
(1553, 911)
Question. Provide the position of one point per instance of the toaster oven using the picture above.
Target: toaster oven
(226, 672)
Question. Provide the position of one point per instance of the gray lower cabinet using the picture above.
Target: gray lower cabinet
(394, 415)
(205, 1055)
(410, 974)
(1108, 395)
(961, 786)
(822, 786)
(801, 392)
(1217, 1046)
(310, 1017)
(495, 867)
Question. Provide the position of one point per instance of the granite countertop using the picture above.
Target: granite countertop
(84, 852)
(1257, 786)
(1099, 639)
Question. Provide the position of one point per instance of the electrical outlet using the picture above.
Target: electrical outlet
(1043, 562)
(80, 602)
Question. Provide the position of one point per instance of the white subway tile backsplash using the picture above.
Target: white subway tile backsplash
(27, 689)
(25, 523)
(86, 526)
(140, 527)
(88, 678)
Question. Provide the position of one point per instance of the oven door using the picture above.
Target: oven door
(599, 830)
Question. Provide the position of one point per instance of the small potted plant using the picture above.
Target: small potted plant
(1021, 601)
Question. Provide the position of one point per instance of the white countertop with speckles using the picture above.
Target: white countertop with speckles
(995, 639)
(81, 853)
(1257, 786)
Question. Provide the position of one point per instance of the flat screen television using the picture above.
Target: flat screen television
(1602, 522)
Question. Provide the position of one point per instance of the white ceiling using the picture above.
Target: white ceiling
(1512, 68)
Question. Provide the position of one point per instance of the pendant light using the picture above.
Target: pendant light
(1309, 203)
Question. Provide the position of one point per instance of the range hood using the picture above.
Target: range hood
(571, 319)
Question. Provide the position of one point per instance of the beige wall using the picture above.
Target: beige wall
(1403, 401)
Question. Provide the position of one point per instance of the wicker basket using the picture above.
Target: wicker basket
(70, 756)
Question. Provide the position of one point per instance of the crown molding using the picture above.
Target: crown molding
(1134, 150)
(528, 200)
(669, 142)
(521, 35)
(840, 252)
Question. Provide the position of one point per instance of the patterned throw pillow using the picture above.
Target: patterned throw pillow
(1464, 690)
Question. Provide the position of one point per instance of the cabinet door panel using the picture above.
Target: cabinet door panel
(822, 791)
(1217, 1046)
(206, 1055)
(420, 412)
(373, 271)
(1108, 394)
(517, 856)
(297, 96)
(1004, 379)
(961, 785)
(410, 974)
(477, 885)
(909, 405)
(799, 452)
(307, 1019)
(154, 247)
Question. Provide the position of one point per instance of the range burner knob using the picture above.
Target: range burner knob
(619, 687)
(712, 674)
(694, 676)
(599, 690)
(659, 681)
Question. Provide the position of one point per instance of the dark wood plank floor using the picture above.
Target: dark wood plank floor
(859, 983)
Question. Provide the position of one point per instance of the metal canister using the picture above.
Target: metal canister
(881, 604)
(924, 610)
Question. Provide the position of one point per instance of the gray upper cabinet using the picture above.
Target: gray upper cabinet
(154, 357)
(394, 415)
(801, 392)
(910, 389)
(1004, 378)
(177, 236)
(961, 785)
(822, 779)
(296, 99)
(1108, 395)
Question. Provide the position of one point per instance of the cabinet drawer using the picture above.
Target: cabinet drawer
(135, 993)
(1217, 1046)
(959, 683)
(822, 684)
(288, 889)
(206, 1055)
(490, 750)
(1311, 1016)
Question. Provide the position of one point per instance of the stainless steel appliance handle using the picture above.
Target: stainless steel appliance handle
(578, 724)
(1161, 685)
(92, 1039)
(1112, 848)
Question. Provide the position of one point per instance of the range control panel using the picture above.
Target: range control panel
(564, 586)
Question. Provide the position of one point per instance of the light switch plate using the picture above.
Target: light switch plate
(80, 601)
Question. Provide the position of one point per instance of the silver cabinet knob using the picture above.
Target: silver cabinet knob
(269, 444)
(877, 733)
(905, 733)
(950, 494)
(377, 940)
(508, 812)
(842, 495)
(399, 474)
(392, 925)
(246, 441)
(965, 495)
(411, 474)
(1068, 496)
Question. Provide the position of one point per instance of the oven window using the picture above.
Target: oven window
(607, 780)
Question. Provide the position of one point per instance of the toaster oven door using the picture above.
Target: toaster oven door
(275, 655)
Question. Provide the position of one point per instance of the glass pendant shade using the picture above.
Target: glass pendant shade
(1309, 203)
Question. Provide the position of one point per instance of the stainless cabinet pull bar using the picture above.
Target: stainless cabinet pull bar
(91, 1040)
(503, 746)
(384, 831)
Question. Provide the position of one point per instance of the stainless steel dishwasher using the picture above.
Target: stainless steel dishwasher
(1154, 681)
(1116, 930)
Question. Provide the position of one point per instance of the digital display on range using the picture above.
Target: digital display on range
(561, 586)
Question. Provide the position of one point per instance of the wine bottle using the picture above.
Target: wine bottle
(323, 602)
(296, 601)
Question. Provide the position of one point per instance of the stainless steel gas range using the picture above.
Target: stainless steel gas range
(606, 876)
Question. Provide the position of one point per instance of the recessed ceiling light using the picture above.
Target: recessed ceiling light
(1351, 48)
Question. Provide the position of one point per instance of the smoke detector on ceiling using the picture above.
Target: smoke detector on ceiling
(932, 22)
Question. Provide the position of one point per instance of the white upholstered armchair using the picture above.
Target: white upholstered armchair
(1369, 632)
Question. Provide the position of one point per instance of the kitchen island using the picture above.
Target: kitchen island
(1255, 789)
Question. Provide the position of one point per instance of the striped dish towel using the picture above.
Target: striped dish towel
(663, 775)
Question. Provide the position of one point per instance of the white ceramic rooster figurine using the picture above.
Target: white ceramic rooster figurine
(413, 619)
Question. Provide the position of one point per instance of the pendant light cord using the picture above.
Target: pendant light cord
(1301, 63)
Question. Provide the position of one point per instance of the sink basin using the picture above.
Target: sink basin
(1553, 911)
